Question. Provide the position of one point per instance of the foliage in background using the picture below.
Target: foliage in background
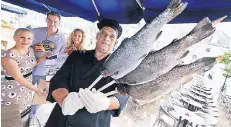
(226, 59)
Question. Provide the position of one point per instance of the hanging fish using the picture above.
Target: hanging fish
(133, 50)
(167, 82)
(160, 62)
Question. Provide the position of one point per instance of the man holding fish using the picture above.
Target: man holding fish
(76, 104)
(79, 105)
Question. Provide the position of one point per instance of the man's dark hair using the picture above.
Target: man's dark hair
(54, 14)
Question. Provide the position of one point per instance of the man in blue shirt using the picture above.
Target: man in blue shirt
(49, 34)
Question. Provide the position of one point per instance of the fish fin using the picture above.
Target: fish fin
(181, 62)
(142, 57)
(116, 73)
(158, 35)
(210, 76)
(185, 54)
(174, 40)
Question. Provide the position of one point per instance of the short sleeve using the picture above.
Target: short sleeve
(8, 54)
(123, 101)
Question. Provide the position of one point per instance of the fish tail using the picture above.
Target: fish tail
(202, 23)
(176, 7)
(201, 31)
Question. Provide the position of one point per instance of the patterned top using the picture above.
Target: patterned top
(12, 91)
(25, 62)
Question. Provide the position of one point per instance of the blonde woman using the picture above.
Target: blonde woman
(18, 62)
(75, 41)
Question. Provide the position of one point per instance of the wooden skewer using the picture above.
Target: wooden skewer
(97, 80)
(111, 93)
(219, 58)
(215, 22)
(106, 86)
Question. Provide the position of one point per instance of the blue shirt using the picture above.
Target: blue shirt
(58, 38)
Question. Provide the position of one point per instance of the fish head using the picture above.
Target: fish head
(122, 89)
(106, 72)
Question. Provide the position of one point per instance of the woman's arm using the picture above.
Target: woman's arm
(13, 70)
(68, 50)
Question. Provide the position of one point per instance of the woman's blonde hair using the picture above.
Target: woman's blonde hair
(22, 29)
(70, 41)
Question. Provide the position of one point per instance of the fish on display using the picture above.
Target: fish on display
(167, 82)
(162, 61)
(134, 49)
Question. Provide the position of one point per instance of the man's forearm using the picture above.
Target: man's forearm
(59, 95)
(115, 104)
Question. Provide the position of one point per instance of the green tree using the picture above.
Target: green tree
(226, 59)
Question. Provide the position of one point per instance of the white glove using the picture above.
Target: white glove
(94, 101)
(71, 104)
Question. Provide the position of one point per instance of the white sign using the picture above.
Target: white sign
(53, 65)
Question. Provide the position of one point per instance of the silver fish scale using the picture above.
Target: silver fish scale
(162, 61)
(132, 51)
(170, 80)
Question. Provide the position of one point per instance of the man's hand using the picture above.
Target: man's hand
(38, 47)
(71, 104)
(48, 54)
(94, 101)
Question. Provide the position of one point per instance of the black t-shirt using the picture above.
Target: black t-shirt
(79, 71)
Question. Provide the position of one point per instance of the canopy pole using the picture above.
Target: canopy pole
(140, 4)
(46, 7)
(93, 1)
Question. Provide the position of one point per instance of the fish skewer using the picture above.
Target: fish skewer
(96, 81)
(106, 86)
(157, 63)
(215, 22)
(112, 82)
(111, 93)
(142, 41)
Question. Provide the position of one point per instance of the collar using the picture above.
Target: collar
(56, 33)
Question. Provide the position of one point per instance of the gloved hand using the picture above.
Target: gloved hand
(71, 104)
(94, 101)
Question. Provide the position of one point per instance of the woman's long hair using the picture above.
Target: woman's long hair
(70, 41)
